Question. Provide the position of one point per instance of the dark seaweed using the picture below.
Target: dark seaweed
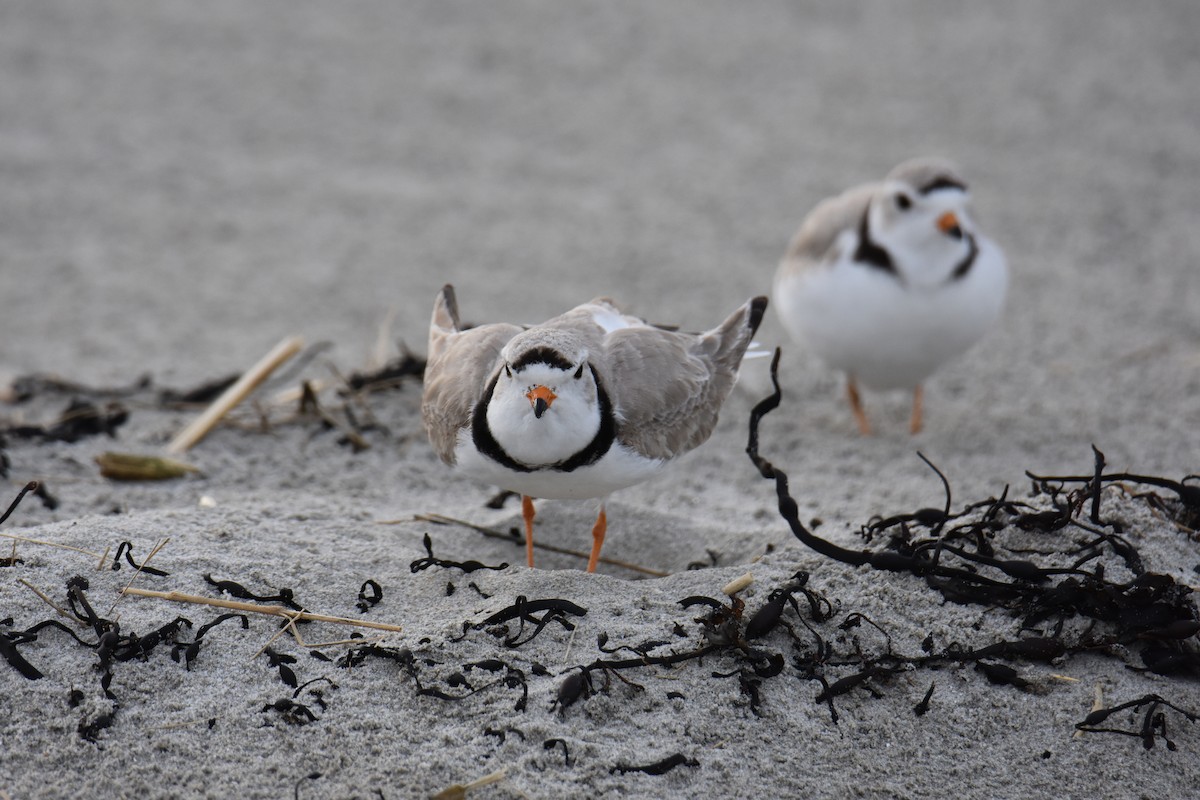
(576, 685)
(32, 486)
(79, 420)
(191, 649)
(722, 629)
(523, 610)
(312, 776)
(126, 549)
(90, 730)
(498, 500)
(26, 387)
(550, 744)
(501, 735)
(658, 767)
(389, 375)
(358, 655)
(199, 394)
(1152, 614)
(8, 649)
(133, 646)
(921, 708)
(112, 647)
(292, 711)
(285, 596)
(1154, 720)
(513, 677)
(369, 594)
(430, 561)
(49, 501)
(1187, 495)
(282, 662)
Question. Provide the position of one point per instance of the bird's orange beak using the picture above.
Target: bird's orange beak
(948, 224)
(541, 398)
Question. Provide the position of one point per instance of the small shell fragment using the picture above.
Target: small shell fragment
(737, 584)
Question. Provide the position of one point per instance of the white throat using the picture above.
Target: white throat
(564, 429)
(924, 257)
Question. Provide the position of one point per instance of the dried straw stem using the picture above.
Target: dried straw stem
(255, 608)
(246, 384)
(26, 539)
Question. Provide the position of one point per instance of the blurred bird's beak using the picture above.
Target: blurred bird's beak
(541, 398)
(948, 224)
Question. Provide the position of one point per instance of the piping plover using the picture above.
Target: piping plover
(889, 280)
(582, 405)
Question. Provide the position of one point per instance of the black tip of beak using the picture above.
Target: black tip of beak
(539, 407)
(954, 232)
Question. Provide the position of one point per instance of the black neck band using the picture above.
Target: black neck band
(968, 261)
(870, 253)
(485, 442)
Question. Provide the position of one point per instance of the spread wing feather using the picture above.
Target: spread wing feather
(670, 386)
(460, 365)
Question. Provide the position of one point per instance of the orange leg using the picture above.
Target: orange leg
(527, 513)
(597, 539)
(860, 416)
(914, 425)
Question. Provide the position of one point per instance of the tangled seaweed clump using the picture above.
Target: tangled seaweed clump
(1066, 600)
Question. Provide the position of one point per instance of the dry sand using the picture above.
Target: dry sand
(188, 183)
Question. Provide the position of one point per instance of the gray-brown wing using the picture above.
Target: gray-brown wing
(819, 232)
(669, 387)
(460, 365)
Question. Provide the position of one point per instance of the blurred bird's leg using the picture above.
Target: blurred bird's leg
(527, 513)
(914, 425)
(860, 416)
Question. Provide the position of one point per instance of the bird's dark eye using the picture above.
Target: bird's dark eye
(903, 202)
(579, 372)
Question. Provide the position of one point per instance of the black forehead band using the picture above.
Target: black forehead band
(541, 355)
(943, 182)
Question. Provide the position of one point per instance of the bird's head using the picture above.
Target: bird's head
(544, 405)
(921, 215)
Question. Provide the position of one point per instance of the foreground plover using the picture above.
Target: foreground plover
(582, 405)
(889, 280)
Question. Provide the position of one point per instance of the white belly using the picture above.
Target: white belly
(619, 468)
(888, 336)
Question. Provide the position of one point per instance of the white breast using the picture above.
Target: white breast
(865, 322)
(619, 468)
